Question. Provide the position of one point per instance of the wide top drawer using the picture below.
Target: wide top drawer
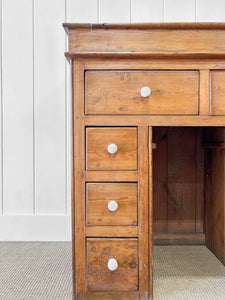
(143, 92)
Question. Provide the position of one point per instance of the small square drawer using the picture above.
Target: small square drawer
(112, 264)
(142, 92)
(218, 93)
(111, 203)
(111, 148)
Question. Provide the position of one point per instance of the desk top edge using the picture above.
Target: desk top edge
(165, 25)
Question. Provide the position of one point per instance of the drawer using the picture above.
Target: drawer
(111, 203)
(114, 92)
(218, 93)
(112, 264)
(111, 148)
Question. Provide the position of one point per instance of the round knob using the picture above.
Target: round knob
(145, 91)
(112, 148)
(112, 205)
(112, 264)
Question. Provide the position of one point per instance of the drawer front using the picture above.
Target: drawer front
(111, 148)
(172, 92)
(112, 264)
(111, 203)
(218, 93)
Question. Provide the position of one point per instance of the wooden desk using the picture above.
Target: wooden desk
(132, 85)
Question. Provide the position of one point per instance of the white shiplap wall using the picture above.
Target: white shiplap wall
(35, 105)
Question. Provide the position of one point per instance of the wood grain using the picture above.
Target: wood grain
(143, 209)
(111, 62)
(181, 180)
(78, 214)
(179, 152)
(119, 92)
(215, 202)
(204, 108)
(73, 185)
(214, 145)
(199, 201)
(215, 194)
(99, 277)
(150, 214)
(111, 176)
(111, 231)
(113, 295)
(98, 196)
(179, 239)
(143, 55)
(209, 41)
(146, 25)
(213, 135)
(97, 141)
(197, 121)
(152, 63)
(160, 170)
(217, 93)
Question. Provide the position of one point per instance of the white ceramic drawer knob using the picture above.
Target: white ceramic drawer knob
(112, 205)
(112, 264)
(145, 91)
(112, 148)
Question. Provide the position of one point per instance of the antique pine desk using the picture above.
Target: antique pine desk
(135, 86)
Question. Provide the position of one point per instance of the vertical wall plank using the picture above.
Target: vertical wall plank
(82, 11)
(210, 11)
(17, 64)
(49, 104)
(68, 138)
(114, 11)
(146, 10)
(1, 203)
(179, 11)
